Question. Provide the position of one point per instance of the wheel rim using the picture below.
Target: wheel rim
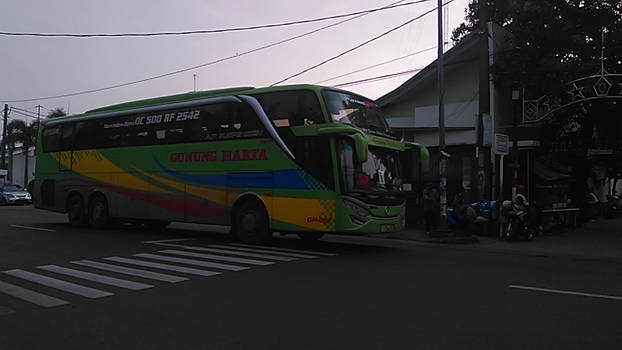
(248, 224)
(251, 223)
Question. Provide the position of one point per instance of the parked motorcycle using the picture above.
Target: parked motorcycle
(517, 219)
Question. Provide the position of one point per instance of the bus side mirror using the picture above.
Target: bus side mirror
(425, 154)
(361, 145)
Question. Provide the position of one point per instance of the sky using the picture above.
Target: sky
(36, 67)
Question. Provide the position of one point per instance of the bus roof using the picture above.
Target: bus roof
(189, 96)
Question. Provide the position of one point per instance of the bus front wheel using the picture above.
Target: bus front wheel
(250, 223)
(98, 212)
(75, 211)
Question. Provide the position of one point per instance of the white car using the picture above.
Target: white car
(14, 194)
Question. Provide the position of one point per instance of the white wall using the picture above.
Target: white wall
(17, 170)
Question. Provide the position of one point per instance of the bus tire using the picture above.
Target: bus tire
(250, 223)
(76, 213)
(310, 236)
(98, 212)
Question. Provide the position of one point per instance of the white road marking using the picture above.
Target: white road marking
(192, 262)
(59, 284)
(34, 228)
(558, 291)
(117, 282)
(169, 240)
(163, 266)
(284, 249)
(217, 257)
(230, 252)
(30, 296)
(295, 255)
(130, 271)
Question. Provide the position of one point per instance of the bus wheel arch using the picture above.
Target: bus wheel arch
(98, 214)
(249, 220)
(76, 210)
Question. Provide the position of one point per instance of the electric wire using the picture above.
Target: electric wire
(377, 78)
(358, 46)
(213, 31)
(183, 70)
(376, 65)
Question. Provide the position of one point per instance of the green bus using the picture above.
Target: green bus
(301, 159)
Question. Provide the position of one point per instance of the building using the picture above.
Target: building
(500, 141)
(475, 109)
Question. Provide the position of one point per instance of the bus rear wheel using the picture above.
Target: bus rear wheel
(98, 212)
(75, 211)
(250, 223)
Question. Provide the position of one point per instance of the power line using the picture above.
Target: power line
(392, 75)
(84, 92)
(358, 46)
(210, 31)
(377, 78)
(376, 65)
(34, 114)
(23, 114)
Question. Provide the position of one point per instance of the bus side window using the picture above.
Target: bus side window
(84, 135)
(245, 121)
(291, 108)
(51, 138)
(66, 137)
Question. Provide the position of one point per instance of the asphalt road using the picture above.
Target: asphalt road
(342, 293)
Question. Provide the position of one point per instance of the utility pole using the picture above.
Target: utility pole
(484, 96)
(441, 121)
(6, 117)
(38, 126)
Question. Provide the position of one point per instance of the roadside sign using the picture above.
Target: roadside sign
(502, 144)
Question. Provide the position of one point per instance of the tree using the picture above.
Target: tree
(551, 42)
(55, 113)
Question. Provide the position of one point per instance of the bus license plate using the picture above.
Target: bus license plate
(386, 228)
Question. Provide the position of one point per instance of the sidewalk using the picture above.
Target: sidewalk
(600, 240)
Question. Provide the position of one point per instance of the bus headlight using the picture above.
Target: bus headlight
(356, 209)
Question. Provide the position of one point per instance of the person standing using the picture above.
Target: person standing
(430, 207)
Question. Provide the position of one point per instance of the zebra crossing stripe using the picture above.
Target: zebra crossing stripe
(192, 262)
(131, 271)
(284, 249)
(231, 252)
(59, 284)
(217, 257)
(117, 282)
(295, 255)
(30, 296)
(188, 270)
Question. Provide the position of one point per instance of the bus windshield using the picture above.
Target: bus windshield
(379, 174)
(356, 111)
